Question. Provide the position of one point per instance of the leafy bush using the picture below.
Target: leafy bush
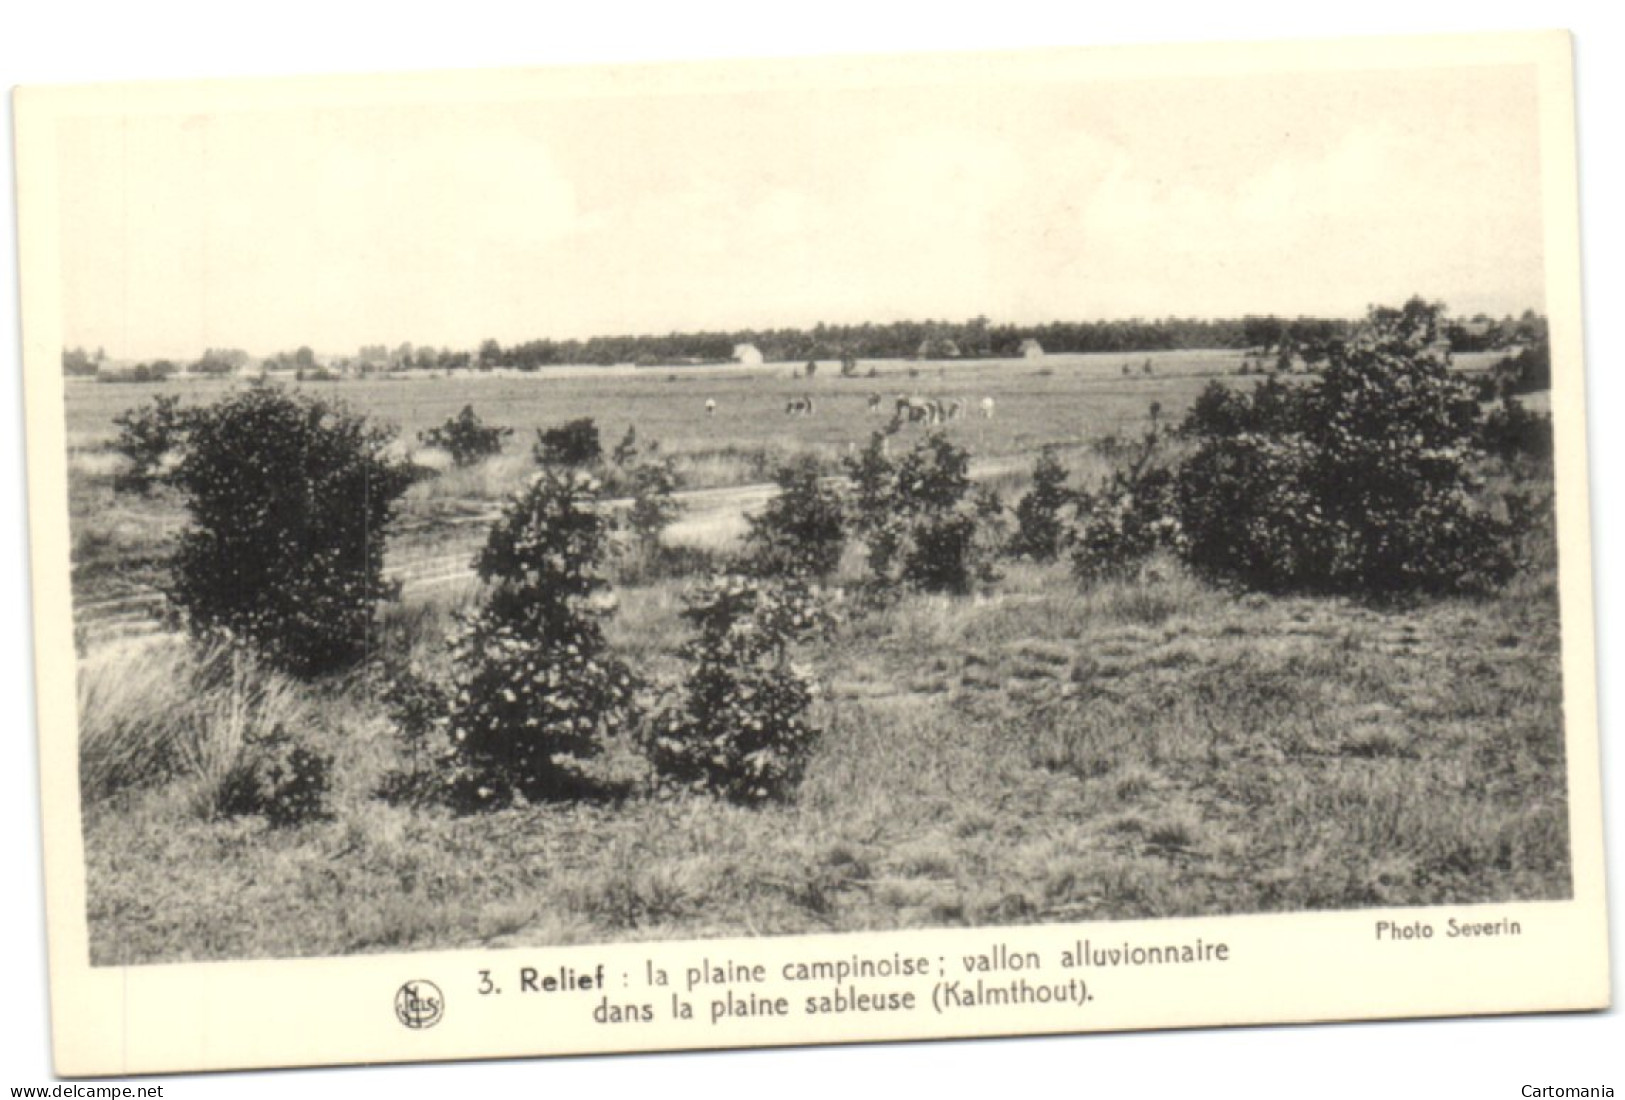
(1042, 530)
(1129, 516)
(420, 710)
(654, 503)
(574, 443)
(289, 499)
(278, 779)
(536, 686)
(150, 436)
(466, 438)
(802, 530)
(1360, 483)
(920, 526)
(740, 729)
(1510, 431)
(1527, 371)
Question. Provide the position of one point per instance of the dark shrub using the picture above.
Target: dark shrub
(573, 443)
(916, 518)
(466, 438)
(802, 531)
(1510, 431)
(537, 687)
(1360, 483)
(654, 503)
(1527, 371)
(289, 499)
(149, 436)
(278, 779)
(420, 709)
(1129, 516)
(740, 728)
(1042, 529)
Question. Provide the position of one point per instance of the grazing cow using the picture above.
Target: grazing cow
(913, 410)
(987, 408)
(710, 406)
(799, 406)
(874, 403)
(956, 410)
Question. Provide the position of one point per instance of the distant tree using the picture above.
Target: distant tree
(222, 361)
(77, 362)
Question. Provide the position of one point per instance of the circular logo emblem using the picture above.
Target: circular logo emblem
(419, 1004)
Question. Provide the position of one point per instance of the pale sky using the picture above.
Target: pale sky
(447, 223)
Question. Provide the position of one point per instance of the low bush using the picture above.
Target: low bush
(536, 687)
(574, 443)
(654, 503)
(1042, 526)
(802, 530)
(739, 729)
(466, 438)
(1510, 432)
(918, 520)
(1128, 517)
(150, 438)
(278, 779)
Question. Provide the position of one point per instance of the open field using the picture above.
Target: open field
(121, 540)
(1047, 752)
(1066, 400)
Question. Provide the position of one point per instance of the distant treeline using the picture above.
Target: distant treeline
(978, 338)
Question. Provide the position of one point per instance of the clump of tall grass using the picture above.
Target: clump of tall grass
(212, 719)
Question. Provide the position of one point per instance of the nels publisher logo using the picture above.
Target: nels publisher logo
(419, 1004)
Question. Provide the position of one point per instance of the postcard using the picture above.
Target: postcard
(712, 555)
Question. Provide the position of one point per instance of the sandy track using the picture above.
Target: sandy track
(431, 557)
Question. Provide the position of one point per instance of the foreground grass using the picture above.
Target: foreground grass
(1142, 749)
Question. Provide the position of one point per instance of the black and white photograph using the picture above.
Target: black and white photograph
(750, 553)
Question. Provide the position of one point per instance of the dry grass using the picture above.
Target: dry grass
(1140, 749)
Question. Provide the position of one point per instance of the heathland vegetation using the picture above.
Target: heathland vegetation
(1277, 643)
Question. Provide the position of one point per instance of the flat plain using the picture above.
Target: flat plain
(1047, 750)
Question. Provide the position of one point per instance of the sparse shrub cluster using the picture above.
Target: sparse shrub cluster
(466, 438)
(289, 499)
(536, 686)
(740, 728)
